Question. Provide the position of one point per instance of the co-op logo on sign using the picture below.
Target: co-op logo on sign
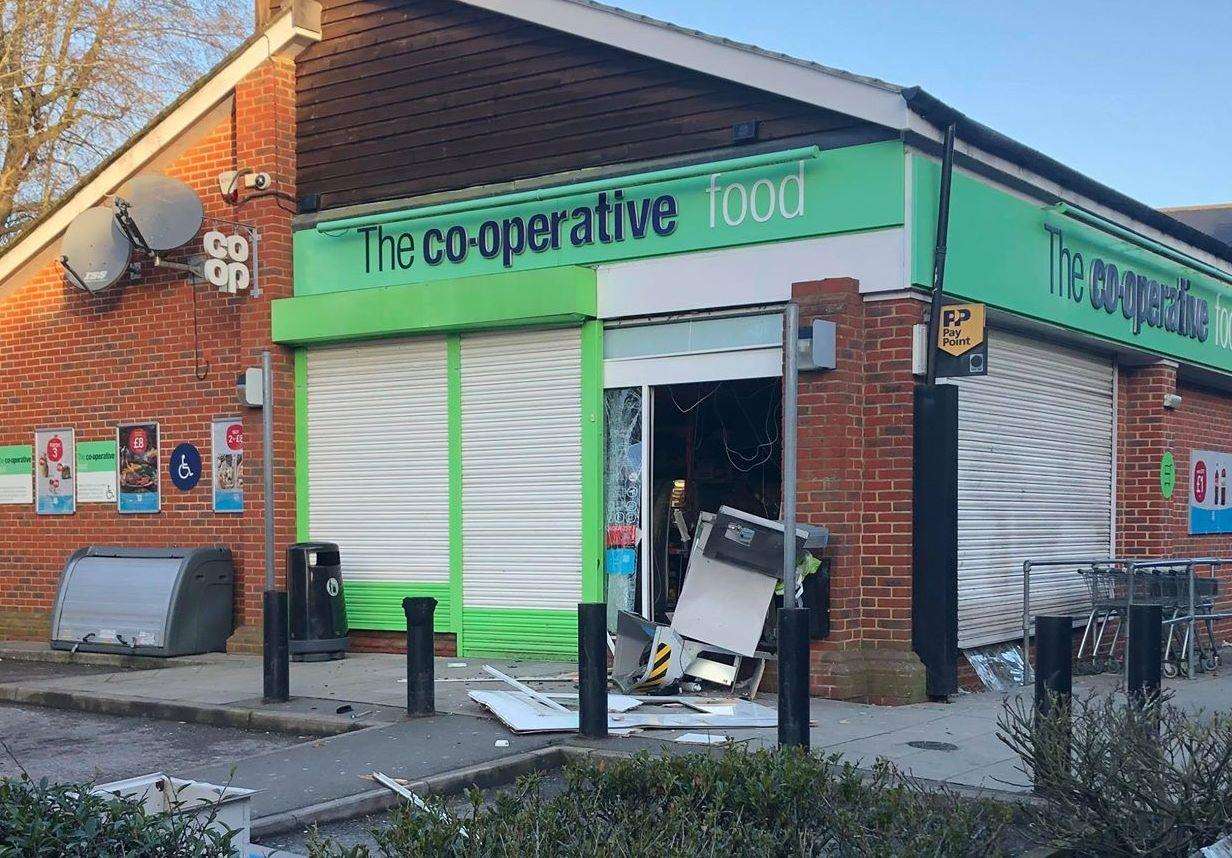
(227, 265)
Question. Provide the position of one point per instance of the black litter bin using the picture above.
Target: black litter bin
(318, 608)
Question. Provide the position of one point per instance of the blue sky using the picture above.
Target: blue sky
(1135, 94)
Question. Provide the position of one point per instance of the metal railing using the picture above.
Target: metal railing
(1189, 600)
(1050, 562)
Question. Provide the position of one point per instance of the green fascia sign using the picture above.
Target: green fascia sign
(760, 198)
(1040, 262)
(560, 296)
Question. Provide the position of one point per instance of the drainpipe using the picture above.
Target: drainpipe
(943, 228)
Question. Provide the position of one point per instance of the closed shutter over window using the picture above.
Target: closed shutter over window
(1035, 480)
(522, 470)
(378, 459)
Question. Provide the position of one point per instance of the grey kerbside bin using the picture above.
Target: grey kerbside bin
(145, 601)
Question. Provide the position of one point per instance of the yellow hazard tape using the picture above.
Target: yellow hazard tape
(661, 660)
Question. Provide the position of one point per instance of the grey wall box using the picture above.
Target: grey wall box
(817, 347)
(145, 601)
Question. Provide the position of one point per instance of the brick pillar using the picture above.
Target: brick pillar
(1147, 524)
(830, 477)
(265, 142)
(895, 673)
(855, 478)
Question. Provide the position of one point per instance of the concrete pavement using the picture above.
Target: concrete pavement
(955, 742)
(72, 746)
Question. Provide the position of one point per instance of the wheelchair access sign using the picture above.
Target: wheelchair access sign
(962, 347)
(185, 467)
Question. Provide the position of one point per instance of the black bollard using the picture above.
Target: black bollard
(276, 649)
(1054, 669)
(794, 677)
(592, 670)
(1144, 653)
(1054, 688)
(420, 667)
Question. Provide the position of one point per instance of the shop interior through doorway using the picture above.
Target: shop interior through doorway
(673, 452)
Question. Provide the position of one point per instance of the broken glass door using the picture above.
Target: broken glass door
(623, 497)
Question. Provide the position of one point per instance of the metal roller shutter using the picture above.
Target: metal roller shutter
(378, 458)
(1035, 480)
(522, 470)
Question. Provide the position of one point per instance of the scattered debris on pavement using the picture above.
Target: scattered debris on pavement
(700, 671)
(703, 739)
(524, 710)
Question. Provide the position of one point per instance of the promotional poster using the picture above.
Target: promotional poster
(1209, 511)
(96, 472)
(227, 440)
(138, 471)
(16, 485)
(55, 472)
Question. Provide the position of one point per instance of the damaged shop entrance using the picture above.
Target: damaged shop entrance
(693, 490)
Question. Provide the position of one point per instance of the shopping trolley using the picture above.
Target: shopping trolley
(1189, 611)
(1187, 590)
(1113, 587)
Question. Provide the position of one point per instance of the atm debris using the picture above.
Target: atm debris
(702, 670)
(524, 710)
(723, 613)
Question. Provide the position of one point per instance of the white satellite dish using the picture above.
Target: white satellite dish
(95, 251)
(158, 212)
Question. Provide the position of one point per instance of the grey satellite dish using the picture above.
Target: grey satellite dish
(95, 251)
(159, 212)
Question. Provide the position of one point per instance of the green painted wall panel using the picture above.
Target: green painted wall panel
(592, 462)
(301, 445)
(377, 605)
(743, 201)
(510, 631)
(453, 380)
(558, 296)
(1002, 253)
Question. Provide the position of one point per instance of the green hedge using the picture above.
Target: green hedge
(763, 803)
(45, 820)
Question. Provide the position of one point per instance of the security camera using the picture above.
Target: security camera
(258, 181)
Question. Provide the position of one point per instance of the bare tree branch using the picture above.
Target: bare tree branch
(79, 77)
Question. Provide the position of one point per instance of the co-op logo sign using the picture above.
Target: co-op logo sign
(608, 217)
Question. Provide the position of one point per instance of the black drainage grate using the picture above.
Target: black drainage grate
(933, 746)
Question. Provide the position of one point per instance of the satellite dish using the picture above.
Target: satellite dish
(95, 250)
(159, 212)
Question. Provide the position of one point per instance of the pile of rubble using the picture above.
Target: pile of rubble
(711, 649)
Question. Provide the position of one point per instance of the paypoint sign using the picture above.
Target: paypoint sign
(962, 348)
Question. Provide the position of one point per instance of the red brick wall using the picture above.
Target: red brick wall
(443, 644)
(1147, 523)
(855, 474)
(90, 362)
(888, 419)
